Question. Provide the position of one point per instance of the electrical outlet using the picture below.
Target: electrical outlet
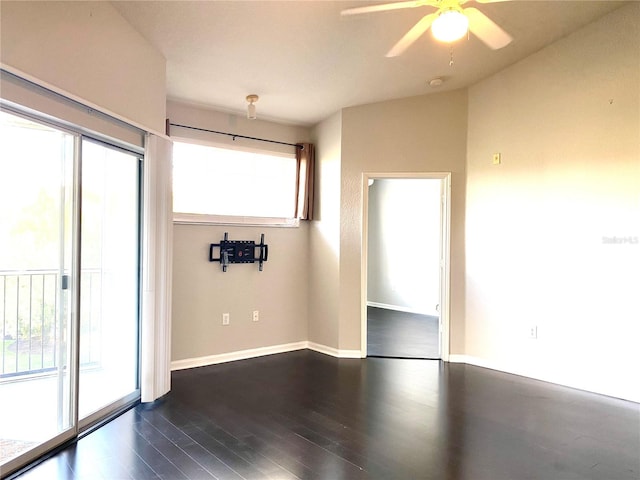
(533, 332)
(256, 315)
(225, 319)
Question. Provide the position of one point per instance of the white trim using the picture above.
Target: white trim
(334, 352)
(205, 219)
(458, 358)
(492, 365)
(445, 268)
(445, 274)
(500, 367)
(238, 355)
(398, 308)
(260, 352)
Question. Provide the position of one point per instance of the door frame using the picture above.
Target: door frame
(79, 426)
(445, 274)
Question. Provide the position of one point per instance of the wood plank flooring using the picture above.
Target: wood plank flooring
(304, 415)
(400, 334)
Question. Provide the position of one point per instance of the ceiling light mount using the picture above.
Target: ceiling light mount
(251, 108)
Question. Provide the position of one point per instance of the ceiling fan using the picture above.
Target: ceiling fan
(448, 23)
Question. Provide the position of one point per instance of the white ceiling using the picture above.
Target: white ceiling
(306, 61)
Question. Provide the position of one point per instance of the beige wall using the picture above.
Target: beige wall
(419, 134)
(324, 236)
(88, 50)
(567, 123)
(202, 292)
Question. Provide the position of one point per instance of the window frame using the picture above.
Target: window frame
(182, 218)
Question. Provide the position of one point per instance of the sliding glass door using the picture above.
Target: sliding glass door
(69, 284)
(109, 277)
(36, 285)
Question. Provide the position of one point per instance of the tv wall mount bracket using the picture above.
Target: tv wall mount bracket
(239, 251)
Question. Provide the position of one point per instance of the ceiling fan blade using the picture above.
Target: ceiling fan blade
(383, 7)
(486, 30)
(412, 35)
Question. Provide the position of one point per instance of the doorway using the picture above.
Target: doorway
(406, 266)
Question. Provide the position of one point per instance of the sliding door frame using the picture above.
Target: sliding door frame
(99, 417)
(80, 427)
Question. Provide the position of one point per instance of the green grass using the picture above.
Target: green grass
(38, 360)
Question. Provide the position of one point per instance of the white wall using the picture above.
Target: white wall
(403, 254)
(89, 51)
(419, 134)
(567, 122)
(202, 292)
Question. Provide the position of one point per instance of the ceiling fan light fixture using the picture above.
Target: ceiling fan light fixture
(251, 108)
(450, 26)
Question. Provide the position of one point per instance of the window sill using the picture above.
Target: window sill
(202, 219)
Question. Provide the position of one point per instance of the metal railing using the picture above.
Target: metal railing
(30, 328)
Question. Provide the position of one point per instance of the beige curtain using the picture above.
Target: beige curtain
(305, 157)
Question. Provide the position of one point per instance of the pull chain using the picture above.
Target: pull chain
(451, 56)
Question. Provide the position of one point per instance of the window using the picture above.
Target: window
(220, 184)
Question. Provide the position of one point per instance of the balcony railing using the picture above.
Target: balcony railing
(30, 306)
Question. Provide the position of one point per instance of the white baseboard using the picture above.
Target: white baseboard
(334, 352)
(238, 355)
(398, 308)
(457, 358)
(494, 365)
(550, 378)
(260, 352)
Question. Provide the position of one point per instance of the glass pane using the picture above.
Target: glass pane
(219, 181)
(109, 277)
(36, 176)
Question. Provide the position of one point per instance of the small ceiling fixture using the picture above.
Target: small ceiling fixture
(436, 82)
(450, 25)
(251, 108)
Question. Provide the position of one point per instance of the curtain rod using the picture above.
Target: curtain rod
(234, 136)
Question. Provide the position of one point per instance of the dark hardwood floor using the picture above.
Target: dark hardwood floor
(304, 415)
(400, 334)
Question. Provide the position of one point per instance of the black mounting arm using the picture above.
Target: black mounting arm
(239, 251)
